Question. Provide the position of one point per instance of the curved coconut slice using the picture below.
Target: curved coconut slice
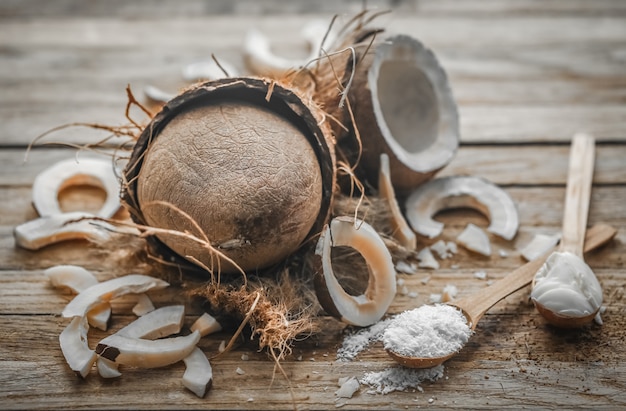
(405, 109)
(159, 323)
(401, 230)
(45, 231)
(206, 324)
(73, 341)
(157, 95)
(86, 171)
(107, 369)
(108, 290)
(137, 352)
(209, 70)
(461, 191)
(143, 306)
(262, 61)
(198, 376)
(77, 279)
(475, 239)
(368, 308)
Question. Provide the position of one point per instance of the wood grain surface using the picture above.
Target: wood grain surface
(527, 75)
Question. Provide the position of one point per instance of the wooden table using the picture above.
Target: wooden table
(527, 75)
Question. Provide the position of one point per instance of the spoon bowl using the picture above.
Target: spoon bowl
(476, 305)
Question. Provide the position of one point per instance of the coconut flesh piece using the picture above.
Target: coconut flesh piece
(157, 95)
(78, 279)
(209, 70)
(198, 376)
(143, 353)
(475, 239)
(263, 62)
(366, 309)
(539, 245)
(143, 306)
(85, 171)
(404, 108)
(108, 290)
(206, 324)
(461, 192)
(401, 230)
(107, 368)
(44, 231)
(73, 341)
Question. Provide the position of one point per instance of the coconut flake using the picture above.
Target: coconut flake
(475, 239)
(73, 341)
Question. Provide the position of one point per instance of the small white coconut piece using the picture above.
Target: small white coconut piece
(475, 239)
(162, 322)
(406, 268)
(44, 231)
(365, 309)
(539, 245)
(209, 70)
(400, 228)
(198, 376)
(85, 171)
(449, 293)
(77, 279)
(347, 387)
(444, 250)
(206, 324)
(143, 306)
(108, 290)
(461, 192)
(138, 352)
(157, 95)
(262, 61)
(73, 341)
(427, 259)
(107, 368)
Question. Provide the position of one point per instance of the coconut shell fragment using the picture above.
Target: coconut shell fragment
(245, 162)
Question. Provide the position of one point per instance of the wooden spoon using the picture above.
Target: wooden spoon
(476, 305)
(576, 210)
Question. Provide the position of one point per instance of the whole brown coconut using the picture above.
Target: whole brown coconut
(241, 161)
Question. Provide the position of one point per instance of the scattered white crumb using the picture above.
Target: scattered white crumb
(452, 247)
(406, 268)
(503, 253)
(222, 346)
(425, 280)
(312, 359)
(404, 290)
(454, 266)
(299, 358)
(475, 239)
(399, 378)
(481, 275)
(449, 293)
(431, 400)
(413, 294)
(250, 399)
(426, 259)
(347, 387)
(244, 357)
(442, 249)
(434, 298)
(240, 371)
(400, 282)
(358, 341)
(489, 282)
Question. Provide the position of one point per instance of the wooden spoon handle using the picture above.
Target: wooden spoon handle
(476, 305)
(578, 193)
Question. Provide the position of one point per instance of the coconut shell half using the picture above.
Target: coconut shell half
(403, 106)
(245, 162)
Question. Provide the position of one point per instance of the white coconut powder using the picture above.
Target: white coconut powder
(400, 378)
(356, 342)
(428, 331)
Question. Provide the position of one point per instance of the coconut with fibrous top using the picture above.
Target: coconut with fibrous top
(245, 164)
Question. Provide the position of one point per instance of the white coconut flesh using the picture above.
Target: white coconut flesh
(85, 171)
(157, 95)
(263, 61)
(567, 286)
(461, 192)
(365, 309)
(162, 322)
(145, 353)
(75, 348)
(107, 369)
(108, 290)
(401, 230)
(78, 279)
(206, 324)
(475, 239)
(45, 231)
(198, 376)
(413, 104)
(539, 245)
(143, 306)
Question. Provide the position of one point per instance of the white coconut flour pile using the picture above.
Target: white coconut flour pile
(426, 332)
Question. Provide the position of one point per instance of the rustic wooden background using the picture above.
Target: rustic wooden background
(527, 75)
